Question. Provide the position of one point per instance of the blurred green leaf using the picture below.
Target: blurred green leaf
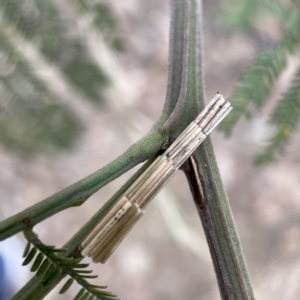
(66, 285)
(29, 257)
(32, 119)
(285, 118)
(37, 262)
(256, 85)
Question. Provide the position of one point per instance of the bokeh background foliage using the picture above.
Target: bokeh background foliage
(256, 84)
(33, 118)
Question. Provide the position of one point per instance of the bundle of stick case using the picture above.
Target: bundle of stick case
(112, 229)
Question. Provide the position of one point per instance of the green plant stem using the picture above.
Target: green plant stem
(176, 45)
(189, 62)
(79, 192)
(214, 210)
(35, 289)
(201, 169)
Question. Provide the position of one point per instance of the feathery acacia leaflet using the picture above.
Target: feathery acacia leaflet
(49, 267)
(257, 82)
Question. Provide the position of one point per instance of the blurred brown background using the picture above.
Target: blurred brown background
(165, 256)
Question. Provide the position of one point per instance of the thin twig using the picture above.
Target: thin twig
(35, 289)
(79, 192)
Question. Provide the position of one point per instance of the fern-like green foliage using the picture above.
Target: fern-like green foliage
(285, 118)
(103, 19)
(41, 23)
(257, 82)
(32, 118)
(49, 266)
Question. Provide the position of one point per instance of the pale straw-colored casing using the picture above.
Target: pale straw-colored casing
(115, 225)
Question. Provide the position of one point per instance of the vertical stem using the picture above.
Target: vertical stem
(213, 208)
(201, 169)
